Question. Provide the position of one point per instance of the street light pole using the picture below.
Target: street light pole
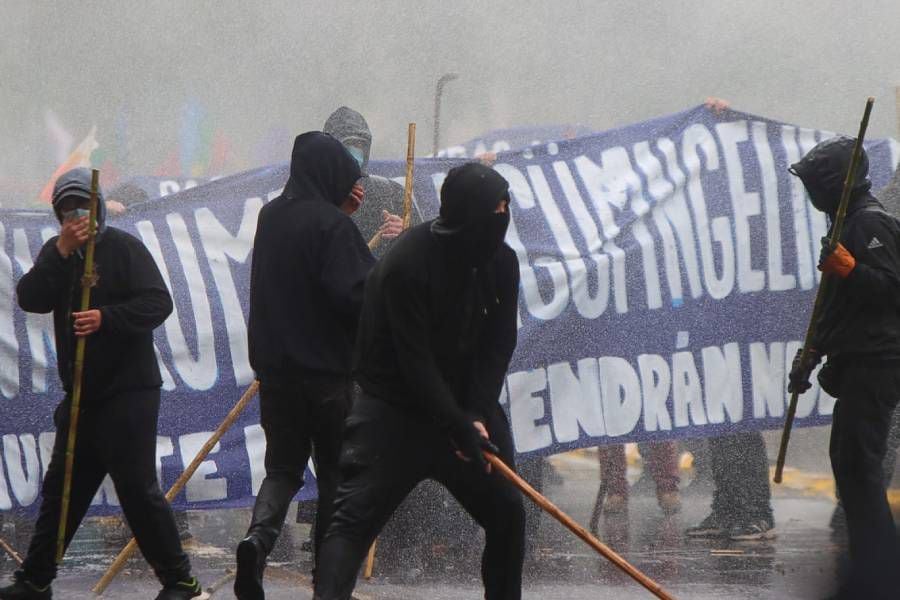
(438, 92)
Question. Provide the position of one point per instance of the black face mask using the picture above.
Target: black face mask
(484, 238)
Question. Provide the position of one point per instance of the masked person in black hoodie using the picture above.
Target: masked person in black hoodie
(437, 331)
(859, 332)
(306, 289)
(120, 390)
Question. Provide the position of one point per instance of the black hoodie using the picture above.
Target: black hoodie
(130, 294)
(309, 267)
(438, 325)
(860, 318)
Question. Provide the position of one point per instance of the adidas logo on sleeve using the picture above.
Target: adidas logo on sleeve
(874, 243)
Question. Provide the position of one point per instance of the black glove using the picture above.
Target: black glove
(798, 380)
(469, 441)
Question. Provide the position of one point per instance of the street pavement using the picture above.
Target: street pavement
(800, 563)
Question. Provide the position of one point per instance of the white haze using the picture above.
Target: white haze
(284, 66)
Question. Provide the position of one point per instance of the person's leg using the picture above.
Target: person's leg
(384, 455)
(859, 433)
(126, 440)
(662, 463)
(330, 400)
(613, 483)
(39, 566)
(284, 419)
(496, 505)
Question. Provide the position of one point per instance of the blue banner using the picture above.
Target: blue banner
(668, 270)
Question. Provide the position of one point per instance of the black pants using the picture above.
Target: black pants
(119, 439)
(740, 468)
(859, 431)
(299, 417)
(386, 453)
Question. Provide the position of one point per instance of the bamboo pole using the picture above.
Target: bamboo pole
(407, 187)
(176, 488)
(823, 285)
(550, 508)
(87, 281)
(407, 218)
(9, 550)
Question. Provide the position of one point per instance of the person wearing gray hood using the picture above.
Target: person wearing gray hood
(383, 206)
(120, 390)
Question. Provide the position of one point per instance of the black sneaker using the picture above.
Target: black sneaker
(189, 588)
(710, 527)
(760, 529)
(250, 564)
(22, 589)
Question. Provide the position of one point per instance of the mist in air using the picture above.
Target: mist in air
(211, 88)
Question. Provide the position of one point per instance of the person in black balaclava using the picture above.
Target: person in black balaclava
(306, 289)
(120, 390)
(859, 333)
(437, 331)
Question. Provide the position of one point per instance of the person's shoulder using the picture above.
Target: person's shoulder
(408, 256)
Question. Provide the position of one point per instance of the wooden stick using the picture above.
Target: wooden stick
(176, 488)
(87, 281)
(370, 561)
(407, 187)
(407, 218)
(408, 184)
(9, 550)
(575, 528)
(820, 294)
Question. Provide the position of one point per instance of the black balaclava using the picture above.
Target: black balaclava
(321, 168)
(469, 197)
(824, 169)
(77, 182)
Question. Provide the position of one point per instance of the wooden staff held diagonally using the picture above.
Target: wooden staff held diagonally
(823, 285)
(407, 187)
(176, 488)
(87, 282)
(551, 509)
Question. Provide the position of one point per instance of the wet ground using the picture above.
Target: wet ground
(800, 563)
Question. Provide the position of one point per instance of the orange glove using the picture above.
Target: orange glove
(840, 262)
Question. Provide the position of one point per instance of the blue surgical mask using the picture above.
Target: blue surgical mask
(357, 154)
(75, 213)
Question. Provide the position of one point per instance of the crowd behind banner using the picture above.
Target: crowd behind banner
(668, 271)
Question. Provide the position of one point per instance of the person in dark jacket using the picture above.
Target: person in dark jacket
(437, 331)
(859, 333)
(383, 207)
(120, 390)
(306, 289)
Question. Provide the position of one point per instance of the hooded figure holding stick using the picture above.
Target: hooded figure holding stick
(120, 390)
(437, 331)
(859, 333)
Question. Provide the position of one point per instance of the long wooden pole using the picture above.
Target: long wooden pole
(407, 187)
(9, 550)
(176, 488)
(550, 508)
(836, 228)
(407, 219)
(87, 281)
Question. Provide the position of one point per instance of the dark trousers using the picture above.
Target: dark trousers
(740, 468)
(386, 453)
(299, 417)
(859, 432)
(119, 439)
